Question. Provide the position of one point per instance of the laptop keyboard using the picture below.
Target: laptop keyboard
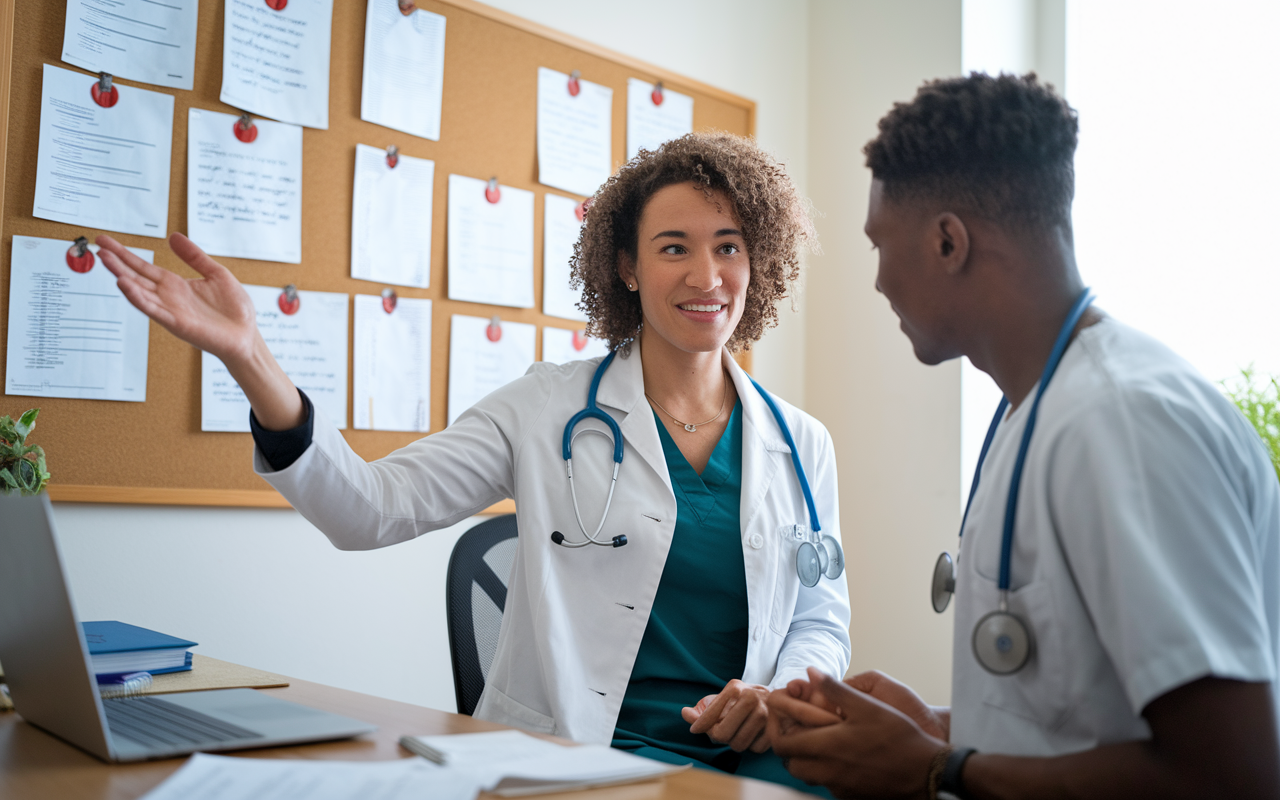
(154, 722)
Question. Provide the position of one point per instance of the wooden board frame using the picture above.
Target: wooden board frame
(20, 52)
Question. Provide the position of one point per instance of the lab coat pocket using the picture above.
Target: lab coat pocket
(787, 582)
(1041, 690)
(498, 707)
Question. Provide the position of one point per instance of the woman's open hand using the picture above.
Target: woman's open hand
(212, 312)
(738, 716)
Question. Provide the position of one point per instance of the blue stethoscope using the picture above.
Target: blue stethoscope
(1002, 642)
(817, 554)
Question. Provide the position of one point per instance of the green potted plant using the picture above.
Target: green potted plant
(21, 465)
(1258, 397)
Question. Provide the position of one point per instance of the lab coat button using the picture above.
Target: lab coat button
(757, 541)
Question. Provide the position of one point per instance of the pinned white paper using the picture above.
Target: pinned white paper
(275, 59)
(311, 346)
(392, 364)
(649, 124)
(72, 333)
(403, 69)
(560, 346)
(141, 40)
(490, 244)
(244, 199)
(575, 133)
(561, 227)
(391, 218)
(105, 168)
(482, 360)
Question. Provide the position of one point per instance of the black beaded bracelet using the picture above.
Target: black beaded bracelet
(950, 786)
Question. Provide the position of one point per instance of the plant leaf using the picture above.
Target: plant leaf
(27, 423)
(6, 478)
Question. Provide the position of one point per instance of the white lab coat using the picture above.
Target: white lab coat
(574, 618)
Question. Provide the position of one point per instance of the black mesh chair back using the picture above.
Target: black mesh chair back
(476, 594)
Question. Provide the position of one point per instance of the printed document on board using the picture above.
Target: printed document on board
(141, 40)
(311, 345)
(575, 133)
(105, 168)
(403, 69)
(275, 59)
(244, 199)
(560, 346)
(482, 359)
(651, 123)
(561, 227)
(391, 218)
(392, 364)
(71, 332)
(490, 244)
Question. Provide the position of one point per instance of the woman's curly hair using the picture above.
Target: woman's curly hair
(775, 226)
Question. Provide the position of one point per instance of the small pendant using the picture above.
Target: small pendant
(691, 428)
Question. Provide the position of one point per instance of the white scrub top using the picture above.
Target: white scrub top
(1146, 551)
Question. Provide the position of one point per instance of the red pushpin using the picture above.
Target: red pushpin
(389, 299)
(407, 7)
(656, 94)
(579, 340)
(574, 86)
(289, 301)
(494, 330)
(491, 192)
(246, 130)
(580, 210)
(277, 5)
(79, 256)
(393, 156)
(103, 93)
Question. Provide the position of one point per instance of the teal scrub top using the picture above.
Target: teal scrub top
(696, 640)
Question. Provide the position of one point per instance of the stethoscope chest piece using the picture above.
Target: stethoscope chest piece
(944, 582)
(1002, 643)
(815, 559)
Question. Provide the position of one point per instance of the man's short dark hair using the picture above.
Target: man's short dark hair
(998, 147)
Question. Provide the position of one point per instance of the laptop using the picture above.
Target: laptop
(52, 684)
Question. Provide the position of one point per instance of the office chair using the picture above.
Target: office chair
(475, 596)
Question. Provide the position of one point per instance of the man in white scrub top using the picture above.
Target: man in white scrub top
(1145, 561)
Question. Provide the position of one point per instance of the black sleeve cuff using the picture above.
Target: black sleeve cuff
(282, 448)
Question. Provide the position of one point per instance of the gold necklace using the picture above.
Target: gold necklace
(692, 427)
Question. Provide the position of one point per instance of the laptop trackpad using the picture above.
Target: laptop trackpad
(270, 716)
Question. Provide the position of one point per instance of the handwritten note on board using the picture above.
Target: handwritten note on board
(575, 133)
(311, 346)
(490, 244)
(275, 59)
(244, 199)
(391, 218)
(71, 332)
(101, 167)
(392, 364)
(142, 40)
(403, 69)
(481, 359)
(650, 123)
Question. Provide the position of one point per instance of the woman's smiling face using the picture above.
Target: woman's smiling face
(691, 267)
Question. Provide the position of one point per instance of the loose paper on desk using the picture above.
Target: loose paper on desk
(403, 69)
(575, 133)
(208, 777)
(391, 217)
(311, 346)
(561, 226)
(101, 167)
(72, 333)
(275, 59)
(490, 244)
(244, 199)
(560, 346)
(392, 364)
(142, 40)
(481, 360)
(650, 123)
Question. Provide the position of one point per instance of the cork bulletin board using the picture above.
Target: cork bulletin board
(155, 452)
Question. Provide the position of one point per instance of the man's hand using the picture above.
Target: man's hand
(861, 746)
(737, 716)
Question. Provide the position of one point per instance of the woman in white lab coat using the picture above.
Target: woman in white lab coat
(666, 646)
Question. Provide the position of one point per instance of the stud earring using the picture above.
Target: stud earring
(632, 288)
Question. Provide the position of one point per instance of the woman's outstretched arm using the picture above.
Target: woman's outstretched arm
(214, 313)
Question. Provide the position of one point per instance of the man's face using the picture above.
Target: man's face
(910, 275)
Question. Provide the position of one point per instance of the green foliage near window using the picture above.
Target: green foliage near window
(21, 465)
(1259, 398)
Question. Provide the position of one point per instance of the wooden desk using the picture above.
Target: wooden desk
(36, 765)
